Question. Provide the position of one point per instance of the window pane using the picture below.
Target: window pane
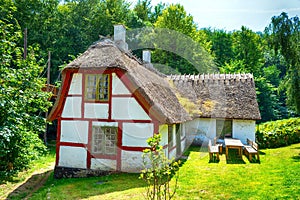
(104, 140)
(97, 86)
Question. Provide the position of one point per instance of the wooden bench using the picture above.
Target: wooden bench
(213, 150)
(219, 145)
(251, 149)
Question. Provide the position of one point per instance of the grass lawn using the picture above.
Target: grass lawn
(35, 173)
(276, 177)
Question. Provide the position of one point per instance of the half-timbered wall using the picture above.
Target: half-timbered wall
(123, 111)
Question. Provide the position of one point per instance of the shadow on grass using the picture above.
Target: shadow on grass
(296, 158)
(234, 158)
(79, 188)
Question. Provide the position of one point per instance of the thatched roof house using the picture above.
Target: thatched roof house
(231, 96)
(110, 103)
(150, 85)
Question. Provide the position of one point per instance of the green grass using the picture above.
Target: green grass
(276, 177)
(37, 166)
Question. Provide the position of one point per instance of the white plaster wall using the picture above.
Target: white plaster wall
(96, 110)
(182, 130)
(72, 108)
(74, 131)
(131, 161)
(128, 109)
(172, 154)
(174, 135)
(72, 157)
(109, 124)
(117, 86)
(76, 84)
(243, 129)
(163, 130)
(136, 134)
(104, 164)
(201, 129)
(183, 143)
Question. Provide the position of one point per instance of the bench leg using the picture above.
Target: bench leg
(210, 156)
(257, 157)
(250, 157)
(218, 158)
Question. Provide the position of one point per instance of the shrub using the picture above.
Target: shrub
(278, 133)
(158, 171)
(22, 102)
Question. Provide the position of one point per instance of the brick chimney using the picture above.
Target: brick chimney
(119, 37)
(146, 56)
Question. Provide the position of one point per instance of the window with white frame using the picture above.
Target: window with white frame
(104, 140)
(97, 87)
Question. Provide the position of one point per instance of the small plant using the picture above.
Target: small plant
(158, 171)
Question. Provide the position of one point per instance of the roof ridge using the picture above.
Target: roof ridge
(213, 76)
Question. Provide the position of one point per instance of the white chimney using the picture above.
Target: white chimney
(146, 56)
(119, 36)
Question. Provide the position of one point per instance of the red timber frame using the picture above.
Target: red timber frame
(154, 116)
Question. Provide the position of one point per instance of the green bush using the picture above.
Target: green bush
(278, 133)
(22, 101)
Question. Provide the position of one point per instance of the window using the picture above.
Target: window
(97, 87)
(104, 140)
(170, 135)
(224, 128)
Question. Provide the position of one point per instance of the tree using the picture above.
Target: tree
(22, 100)
(177, 42)
(143, 9)
(221, 48)
(248, 48)
(284, 37)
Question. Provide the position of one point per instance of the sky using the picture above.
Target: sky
(232, 14)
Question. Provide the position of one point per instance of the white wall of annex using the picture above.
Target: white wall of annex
(200, 129)
(118, 86)
(172, 154)
(103, 164)
(72, 108)
(127, 109)
(243, 129)
(74, 131)
(72, 157)
(163, 130)
(76, 84)
(136, 134)
(96, 110)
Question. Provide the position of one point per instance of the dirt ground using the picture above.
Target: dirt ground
(32, 183)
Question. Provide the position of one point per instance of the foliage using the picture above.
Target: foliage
(284, 37)
(278, 133)
(21, 102)
(158, 171)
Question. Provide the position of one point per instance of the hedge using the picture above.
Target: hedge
(278, 133)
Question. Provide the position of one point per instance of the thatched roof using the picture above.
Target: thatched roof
(230, 96)
(152, 87)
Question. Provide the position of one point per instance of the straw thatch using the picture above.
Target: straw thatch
(153, 88)
(231, 96)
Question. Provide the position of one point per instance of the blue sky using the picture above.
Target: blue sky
(232, 14)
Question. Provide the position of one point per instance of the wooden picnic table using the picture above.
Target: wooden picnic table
(233, 144)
